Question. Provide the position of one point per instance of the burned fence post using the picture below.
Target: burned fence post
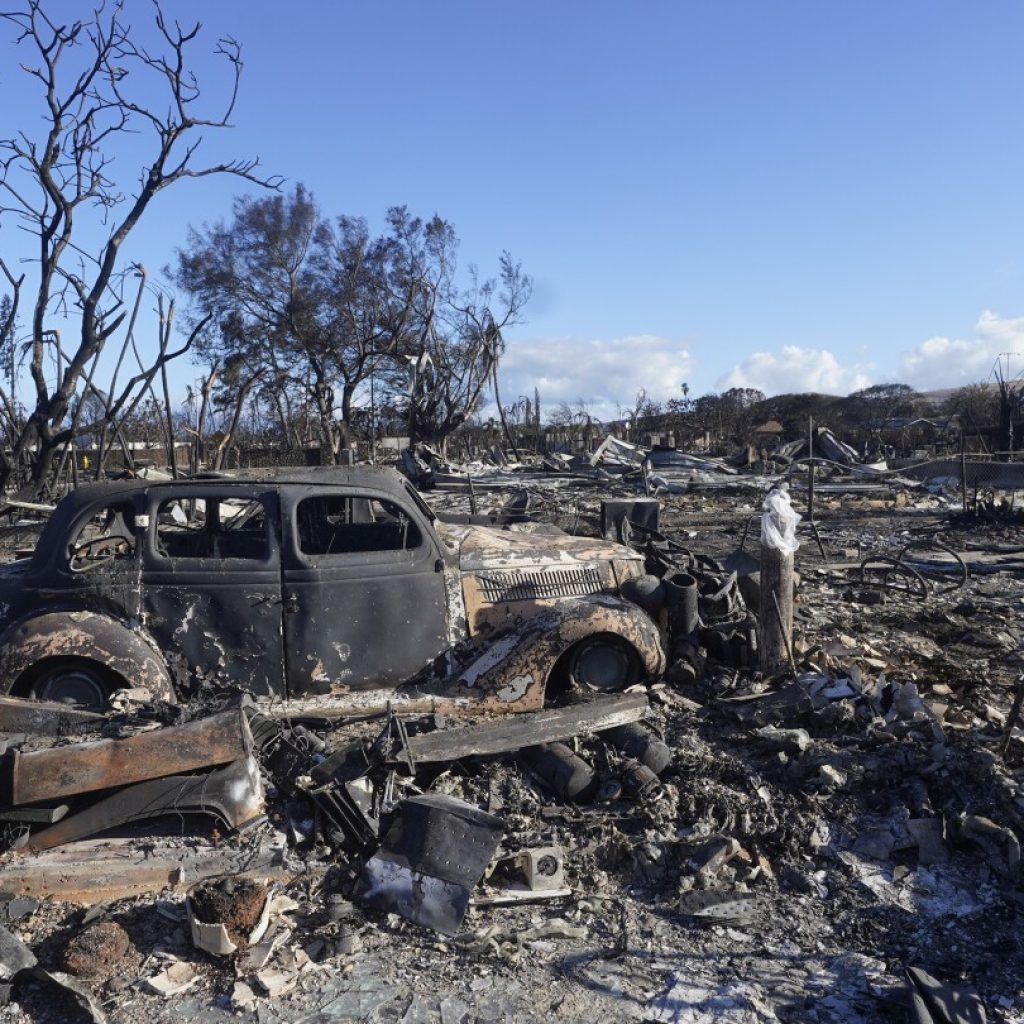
(963, 470)
(778, 543)
(810, 468)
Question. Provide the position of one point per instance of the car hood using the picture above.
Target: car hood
(482, 548)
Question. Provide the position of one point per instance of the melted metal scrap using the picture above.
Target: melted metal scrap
(234, 794)
(433, 855)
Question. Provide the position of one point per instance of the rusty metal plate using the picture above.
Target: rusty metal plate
(102, 764)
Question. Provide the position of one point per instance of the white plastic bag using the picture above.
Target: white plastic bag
(778, 524)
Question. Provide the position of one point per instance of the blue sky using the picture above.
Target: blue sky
(785, 195)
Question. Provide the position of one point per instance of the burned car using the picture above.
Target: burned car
(298, 583)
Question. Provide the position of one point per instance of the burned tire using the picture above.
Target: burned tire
(72, 681)
(603, 663)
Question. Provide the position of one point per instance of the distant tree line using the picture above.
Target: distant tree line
(988, 414)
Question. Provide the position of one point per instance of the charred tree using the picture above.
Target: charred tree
(99, 80)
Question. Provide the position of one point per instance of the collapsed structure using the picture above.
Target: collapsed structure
(710, 801)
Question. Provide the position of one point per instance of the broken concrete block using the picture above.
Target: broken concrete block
(931, 845)
(243, 997)
(795, 741)
(831, 777)
(14, 955)
(258, 955)
(876, 843)
(277, 983)
(992, 837)
(173, 980)
(708, 859)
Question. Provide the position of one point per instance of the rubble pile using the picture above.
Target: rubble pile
(838, 841)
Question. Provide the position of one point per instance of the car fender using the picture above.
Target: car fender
(512, 672)
(82, 634)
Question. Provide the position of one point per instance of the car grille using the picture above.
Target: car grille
(500, 587)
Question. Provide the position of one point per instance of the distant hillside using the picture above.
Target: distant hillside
(942, 394)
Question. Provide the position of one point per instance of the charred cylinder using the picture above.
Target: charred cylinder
(638, 780)
(681, 603)
(567, 776)
(646, 591)
(640, 744)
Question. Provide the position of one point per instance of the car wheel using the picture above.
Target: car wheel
(603, 663)
(73, 681)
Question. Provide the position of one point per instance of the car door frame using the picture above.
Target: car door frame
(316, 664)
(231, 631)
(110, 588)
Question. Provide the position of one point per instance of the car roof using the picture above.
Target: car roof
(381, 478)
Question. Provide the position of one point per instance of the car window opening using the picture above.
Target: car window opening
(217, 527)
(107, 536)
(337, 525)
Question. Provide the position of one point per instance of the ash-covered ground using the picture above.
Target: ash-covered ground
(813, 839)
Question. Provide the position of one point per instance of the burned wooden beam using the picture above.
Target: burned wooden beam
(526, 730)
(99, 870)
(47, 775)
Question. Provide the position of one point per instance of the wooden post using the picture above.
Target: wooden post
(810, 469)
(776, 609)
(963, 469)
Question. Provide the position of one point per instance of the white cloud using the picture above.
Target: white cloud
(605, 373)
(949, 362)
(794, 370)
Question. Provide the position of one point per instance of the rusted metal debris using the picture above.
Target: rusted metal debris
(214, 765)
(433, 855)
(233, 794)
(46, 775)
